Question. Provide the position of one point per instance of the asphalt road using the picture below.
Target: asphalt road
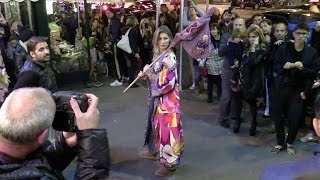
(211, 152)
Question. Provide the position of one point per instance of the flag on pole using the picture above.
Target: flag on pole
(195, 39)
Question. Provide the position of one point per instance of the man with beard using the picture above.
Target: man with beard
(36, 71)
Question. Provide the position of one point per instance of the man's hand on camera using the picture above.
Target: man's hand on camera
(89, 119)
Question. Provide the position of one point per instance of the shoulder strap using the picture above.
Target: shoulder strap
(128, 32)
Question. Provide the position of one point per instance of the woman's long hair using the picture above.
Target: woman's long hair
(156, 37)
(143, 23)
(256, 30)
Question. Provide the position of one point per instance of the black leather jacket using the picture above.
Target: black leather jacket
(19, 58)
(34, 74)
(49, 161)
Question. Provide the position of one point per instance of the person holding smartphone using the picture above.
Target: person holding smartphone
(254, 60)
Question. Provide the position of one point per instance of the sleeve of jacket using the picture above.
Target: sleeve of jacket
(223, 44)
(311, 71)
(230, 57)
(19, 58)
(133, 40)
(279, 60)
(27, 79)
(115, 30)
(59, 154)
(93, 155)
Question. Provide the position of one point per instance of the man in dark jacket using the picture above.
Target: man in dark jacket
(71, 25)
(24, 129)
(295, 68)
(315, 42)
(36, 71)
(115, 35)
(226, 100)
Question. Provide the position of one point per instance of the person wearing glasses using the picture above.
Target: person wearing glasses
(295, 68)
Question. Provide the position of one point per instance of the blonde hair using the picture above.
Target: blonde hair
(156, 37)
(142, 26)
(132, 21)
(256, 30)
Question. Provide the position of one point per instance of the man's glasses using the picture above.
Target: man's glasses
(301, 33)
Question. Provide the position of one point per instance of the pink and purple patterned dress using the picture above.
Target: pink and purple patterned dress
(164, 134)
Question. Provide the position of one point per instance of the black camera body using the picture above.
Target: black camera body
(64, 118)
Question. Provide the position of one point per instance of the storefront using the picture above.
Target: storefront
(69, 63)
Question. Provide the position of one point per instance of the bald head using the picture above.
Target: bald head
(25, 113)
(239, 23)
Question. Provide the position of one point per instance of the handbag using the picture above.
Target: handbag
(203, 71)
(124, 43)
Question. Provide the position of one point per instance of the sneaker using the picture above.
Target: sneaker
(192, 87)
(309, 137)
(290, 149)
(116, 83)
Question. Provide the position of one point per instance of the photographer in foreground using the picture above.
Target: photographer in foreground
(25, 118)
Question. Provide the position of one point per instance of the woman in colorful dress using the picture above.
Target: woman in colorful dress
(164, 134)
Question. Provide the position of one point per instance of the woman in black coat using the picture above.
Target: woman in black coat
(254, 60)
(133, 35)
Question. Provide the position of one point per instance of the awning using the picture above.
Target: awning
(4, 1)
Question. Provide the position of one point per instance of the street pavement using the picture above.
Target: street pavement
(211, 152)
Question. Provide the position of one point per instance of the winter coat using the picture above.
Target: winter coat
(49, 161)
(300, 80)
(34, 74)
(253, 74)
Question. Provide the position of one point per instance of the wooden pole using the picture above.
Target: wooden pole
(124, 91)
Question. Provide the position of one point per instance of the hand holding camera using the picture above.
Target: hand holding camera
(90, 118)
(75, 111)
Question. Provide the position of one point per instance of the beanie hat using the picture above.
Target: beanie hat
(24, 33)
(195, 39)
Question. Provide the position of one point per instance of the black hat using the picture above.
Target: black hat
(25, 33)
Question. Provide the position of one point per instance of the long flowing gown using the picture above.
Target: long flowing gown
(164, 134)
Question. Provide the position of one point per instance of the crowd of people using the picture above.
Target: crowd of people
(260, 64)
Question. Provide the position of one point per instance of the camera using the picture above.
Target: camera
(64, 118)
